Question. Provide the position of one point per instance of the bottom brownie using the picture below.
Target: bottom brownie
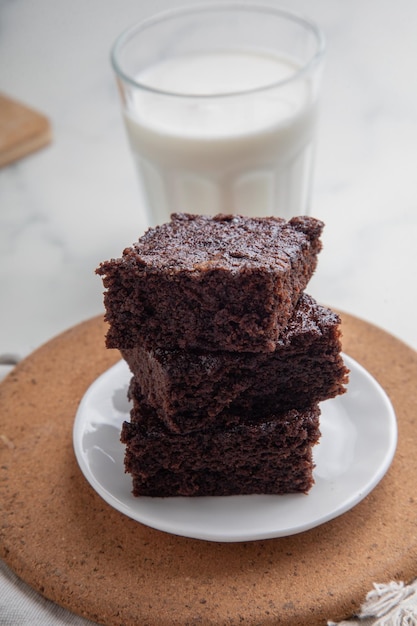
(271, 457)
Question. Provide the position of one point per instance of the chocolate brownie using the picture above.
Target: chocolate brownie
(272, 457)
(190, 390)
(211, 283)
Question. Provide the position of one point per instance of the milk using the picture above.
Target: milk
(248, 150)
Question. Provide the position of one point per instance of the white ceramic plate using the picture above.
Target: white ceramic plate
(359, 436)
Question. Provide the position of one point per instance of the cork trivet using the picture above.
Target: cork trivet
(60, 537)
(22, 130)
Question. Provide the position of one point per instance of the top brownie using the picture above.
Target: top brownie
(216, 283)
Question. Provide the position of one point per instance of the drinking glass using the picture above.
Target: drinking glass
(220, 103)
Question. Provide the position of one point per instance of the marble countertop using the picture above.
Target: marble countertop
(71, 205)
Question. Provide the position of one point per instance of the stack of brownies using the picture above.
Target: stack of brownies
(230, 358)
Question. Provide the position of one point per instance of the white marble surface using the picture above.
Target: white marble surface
(70, 206)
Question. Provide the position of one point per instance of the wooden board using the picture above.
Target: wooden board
(60, 537)
(22, 130)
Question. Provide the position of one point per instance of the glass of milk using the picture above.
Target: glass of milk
(220, 105)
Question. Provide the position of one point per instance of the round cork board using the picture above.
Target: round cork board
(60, 537)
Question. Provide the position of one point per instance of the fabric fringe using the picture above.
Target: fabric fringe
(384, 598)
(391, 604)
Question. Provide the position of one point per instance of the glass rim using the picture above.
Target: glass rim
(163, 16)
